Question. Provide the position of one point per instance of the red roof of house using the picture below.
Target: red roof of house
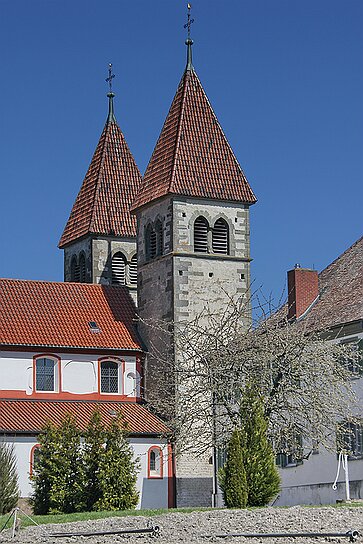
(340, 291)
(50, 314)
(31, 415)
(192, 156)
(110, 186)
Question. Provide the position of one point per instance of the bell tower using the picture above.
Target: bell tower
(99, 239)
(193, 239)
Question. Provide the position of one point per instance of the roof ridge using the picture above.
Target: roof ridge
(100, 170)
(181, 117)
(341, 255)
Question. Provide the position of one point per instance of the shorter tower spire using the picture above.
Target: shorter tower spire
(111, 116)
(189, 41)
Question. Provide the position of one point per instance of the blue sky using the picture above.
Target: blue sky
(285, 79)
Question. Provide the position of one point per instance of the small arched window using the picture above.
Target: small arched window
(82, 268)
(159, 241)
(74, 269)
(46, 376)
(109, 381)
(201, 235)
(34, 458)
(133, 270)
(155, 462)
(118, 269)
(220, 237)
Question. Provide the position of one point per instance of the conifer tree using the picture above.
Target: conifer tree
(117, 473)
(58, 480)
(263, 480)
(93, 453)
(233, 481)
(9, 491)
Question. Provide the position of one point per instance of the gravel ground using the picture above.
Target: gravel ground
(199, 527)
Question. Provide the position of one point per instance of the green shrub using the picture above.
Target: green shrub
(263, 480)
(233, 477)
(9, 490)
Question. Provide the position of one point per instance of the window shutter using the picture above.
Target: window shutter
(74, 270)
(118, 269)
(220, 237)
(133, 270)
(201, 235)
(159, 238)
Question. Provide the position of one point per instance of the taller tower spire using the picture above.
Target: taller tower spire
(111, 116)
(189, 41)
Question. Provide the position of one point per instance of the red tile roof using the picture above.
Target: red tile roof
(192, 156)
(31, 415)
(110, 186)
(50, 314)
(341, 291)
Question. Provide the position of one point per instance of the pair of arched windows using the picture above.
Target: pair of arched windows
(78, 268)
(119, 266)
(154, 240)
(220, 236)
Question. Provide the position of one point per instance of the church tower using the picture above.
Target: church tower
(99, 239)
(193, 238)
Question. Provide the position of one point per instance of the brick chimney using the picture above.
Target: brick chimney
(303, 288)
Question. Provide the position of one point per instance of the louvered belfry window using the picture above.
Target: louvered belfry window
(159, 238)
(74, 269)
(118, 269)
(201, 235)
(133, 270)
(82, 268)
(150, 242)
(109, 377)
(220, 237)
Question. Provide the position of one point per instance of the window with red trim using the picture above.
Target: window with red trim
(46, 374)
(155, 460)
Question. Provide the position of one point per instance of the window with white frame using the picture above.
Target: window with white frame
(109, 381)
(290, 451)
(350, 438)
(46, 375)
(353, 360)
(155, 462)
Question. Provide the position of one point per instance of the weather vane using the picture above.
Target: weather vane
(190, 21)
(110, 76)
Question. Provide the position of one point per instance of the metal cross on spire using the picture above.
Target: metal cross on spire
(190, 21)
(110, 76)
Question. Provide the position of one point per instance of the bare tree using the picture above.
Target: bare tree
(197, 370)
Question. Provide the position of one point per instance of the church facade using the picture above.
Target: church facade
(169, 242)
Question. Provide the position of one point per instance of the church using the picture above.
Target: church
(159, 247)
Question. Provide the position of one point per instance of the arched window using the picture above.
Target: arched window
(155, 468)
(109, 381)
(150, 242)
(74, 269)
(34, 458)
(220, 237)
(82, 268)
(46, 375)
(201, 235)
(159, 241)
(133, 270)
(118, 269)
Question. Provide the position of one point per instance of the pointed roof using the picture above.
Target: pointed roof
(192, 156)
(110, 186)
